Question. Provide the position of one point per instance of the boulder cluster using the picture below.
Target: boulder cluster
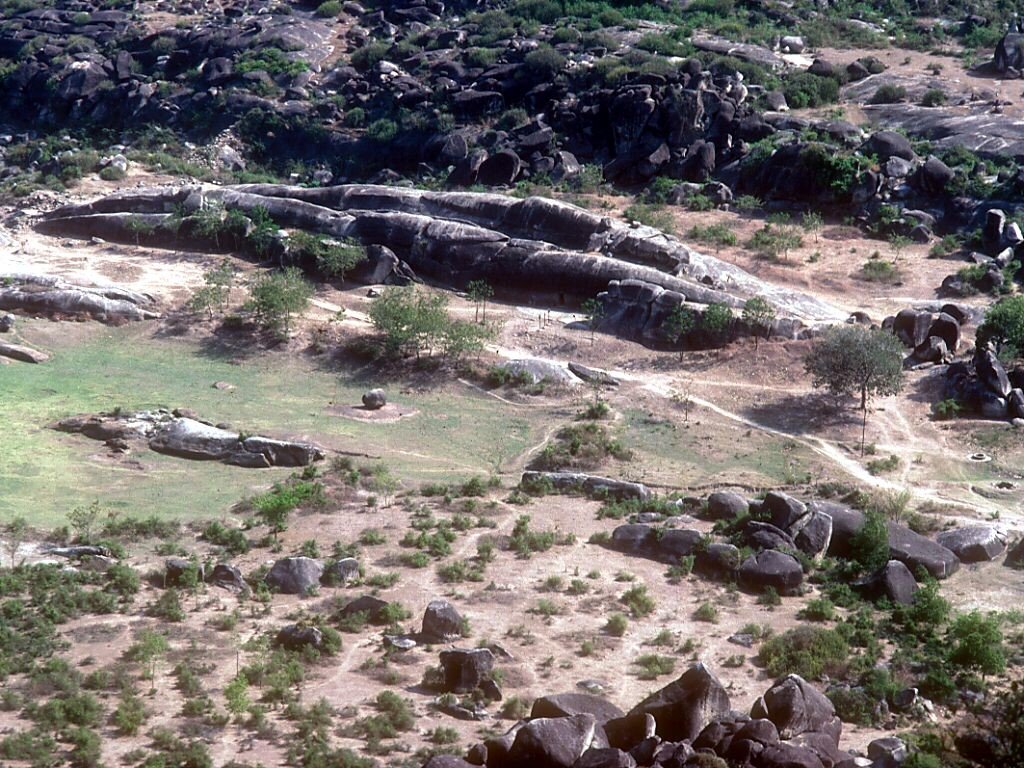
(982, 385)
(784, 532)
(687, 724)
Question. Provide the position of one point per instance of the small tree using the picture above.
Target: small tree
(15, 533)
(216, 290)
(759, 314)
(593, 309)
(716, 319)
(83, 520)
(333, 258)
(898, 243)
(1004, 325)
(869, 546)
(277, 296)
(851, 359)
(479, 292)
(812, 223)
(411, 320)
(976, 643)
(148, 650)
(680, 321)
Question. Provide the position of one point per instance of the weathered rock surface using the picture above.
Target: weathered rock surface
(771, 568)
(295, 575)
(682, 708)
(191, 439)
(441, 621)
(568, 704)
(591, 485)
(540, 246)
(915, 550)
(796, 707)
(52, 296)
(464, 670)
(22, 353)
(973, 544)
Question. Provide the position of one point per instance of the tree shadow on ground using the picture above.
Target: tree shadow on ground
(814, 412)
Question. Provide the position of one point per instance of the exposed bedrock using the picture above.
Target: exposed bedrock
(189, 438)
(45, 295)
(535, 246)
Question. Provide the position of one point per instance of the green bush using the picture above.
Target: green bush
(880, 271)
(544, 63)
(933, 97)
(329, 9)
(889, 94)
(638, 601)
(616, 625)
(810, 652)
(383, 131)
(804, 89)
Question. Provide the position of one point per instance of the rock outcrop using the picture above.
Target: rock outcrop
(188, 438)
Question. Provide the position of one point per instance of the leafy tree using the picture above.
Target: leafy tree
(277, 296)
(680, 321)
(716, 319)
(812, 222)
(236, 694)
(83, 521)
(898, 243)
(594, 311)
(15, 533)
(851, 359)
(977, 643)
(758, 314)
(333, 258)
(869, 547)
(479, 292)
(1004, 325)
(216, 290)
(148, 650)
(413, 321)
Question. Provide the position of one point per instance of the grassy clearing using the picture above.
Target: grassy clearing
(44, 474)
(709, 450)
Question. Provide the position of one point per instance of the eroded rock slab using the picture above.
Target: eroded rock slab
(188, 438)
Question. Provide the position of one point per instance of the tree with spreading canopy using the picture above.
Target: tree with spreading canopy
(853, 360)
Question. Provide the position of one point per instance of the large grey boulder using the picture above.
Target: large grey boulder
(846, 522)
(717, 560)
(228, 577)
(813, 533)
(973, 544)
(991, 372)
(915, 550)
(767, 536)
(21, 353)
(682, 708)
(340, 572)
(726, 505)
(886, 144)
(374, 399)
(297, 637)
(553, 742)
(893, 581)
(797, 707)
(783, 509)
(608, 757)
(567, 704)
(771, 568)
(441, 621)
(295, 575)
(464, 670)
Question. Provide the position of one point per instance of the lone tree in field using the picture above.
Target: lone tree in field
(680, 322)
(851, 359)
(759, 315)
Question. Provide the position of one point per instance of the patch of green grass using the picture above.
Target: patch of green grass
(44, 474)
